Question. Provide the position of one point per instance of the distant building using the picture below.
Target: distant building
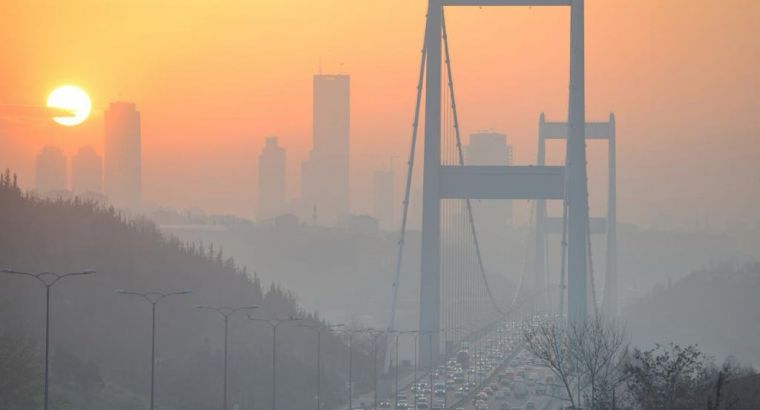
(384, 199)
(51, 175)
(325, 175)
(362, 225)
(271, 180)
(123, 160)
(490, 148)
(86, 172)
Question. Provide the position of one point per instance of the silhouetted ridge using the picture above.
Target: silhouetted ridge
(709, 307)
(93, 325)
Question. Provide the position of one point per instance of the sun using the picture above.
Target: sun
(73, 99)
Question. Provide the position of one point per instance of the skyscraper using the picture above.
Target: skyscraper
(325, 178)
(51, 170)
(87, 171)
(271, 180)
(384, 199)
(123, 173)
(490, 148)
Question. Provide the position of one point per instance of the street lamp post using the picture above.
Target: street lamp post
(445, 369)
(396, 376)
(415, 368)
(350, 369)
(48, 279)
(153, 298)
(397, 334)
(226, 312)
(351, 334)
(274, 324)
(319, 331)
(430, 349)
(375, 334)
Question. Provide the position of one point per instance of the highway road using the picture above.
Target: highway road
(501, 375)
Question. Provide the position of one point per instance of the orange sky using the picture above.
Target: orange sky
(213, 81)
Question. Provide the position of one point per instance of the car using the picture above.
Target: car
(384, 404)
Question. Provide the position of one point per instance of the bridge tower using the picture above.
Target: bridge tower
(500, 182)
(546, 225)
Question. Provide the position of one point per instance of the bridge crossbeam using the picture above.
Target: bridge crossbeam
(594, 130)
(514, 3)
(501, 182)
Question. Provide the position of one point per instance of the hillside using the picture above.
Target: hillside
(101, 340)
(715, 308)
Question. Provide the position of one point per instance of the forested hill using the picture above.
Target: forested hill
(716, 308)
(105, 336)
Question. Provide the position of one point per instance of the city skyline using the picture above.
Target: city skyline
(237, 103)
(345, 205)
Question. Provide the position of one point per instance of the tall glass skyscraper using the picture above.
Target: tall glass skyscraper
(325, 178)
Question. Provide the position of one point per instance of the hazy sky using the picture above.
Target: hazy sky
(213, 79)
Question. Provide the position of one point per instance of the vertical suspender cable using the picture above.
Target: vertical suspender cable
(461, 163)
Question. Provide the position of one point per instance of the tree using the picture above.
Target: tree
(20, 371)
(588, 360)
(131, 252)
(548, 341)
(599, 348)
(666, 377)
(720, 380)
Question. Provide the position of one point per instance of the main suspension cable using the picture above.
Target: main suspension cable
(405, 204)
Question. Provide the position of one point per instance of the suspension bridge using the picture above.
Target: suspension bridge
(455, 292)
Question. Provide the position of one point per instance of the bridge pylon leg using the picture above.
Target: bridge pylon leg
(539, 265)
(577, 189)
(430, 277)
